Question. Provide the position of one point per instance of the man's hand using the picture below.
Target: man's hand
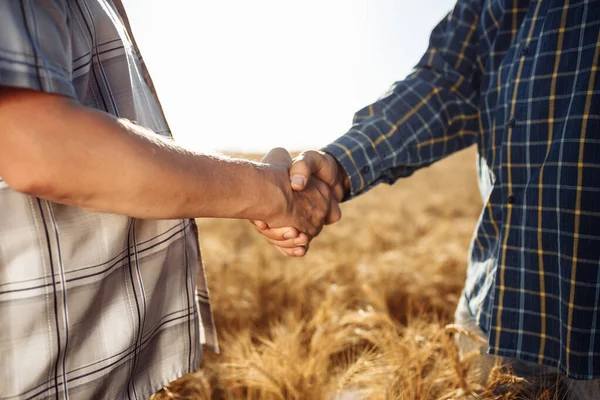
(321, 167)
(289, 239)
(306, 210)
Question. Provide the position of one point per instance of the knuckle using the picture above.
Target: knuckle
(323, 213)
(288, 252)
(306, 153)
(338, 216)
(278, 150)
(277, 235)
(270, 235)
(308, 157)
(287, 244)
(299, 166)
(334, 217)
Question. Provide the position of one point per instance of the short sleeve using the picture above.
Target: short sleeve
(35, 46)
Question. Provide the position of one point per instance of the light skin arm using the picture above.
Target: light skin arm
(53, 148)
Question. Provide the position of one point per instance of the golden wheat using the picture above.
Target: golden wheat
(363, 315)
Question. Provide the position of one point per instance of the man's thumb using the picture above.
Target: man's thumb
(299, 174)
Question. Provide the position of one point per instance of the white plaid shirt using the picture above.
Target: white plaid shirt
(94, 305)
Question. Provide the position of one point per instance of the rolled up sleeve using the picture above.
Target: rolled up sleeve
(431, 114)
(35, 46)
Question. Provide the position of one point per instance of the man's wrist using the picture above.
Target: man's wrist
(272, 193)
(342, 179)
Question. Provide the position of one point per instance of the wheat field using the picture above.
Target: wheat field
(363, 315)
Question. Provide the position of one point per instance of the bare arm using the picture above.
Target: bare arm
(53, 148)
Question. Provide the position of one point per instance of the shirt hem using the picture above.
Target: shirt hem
(547, 361)
(145, 394)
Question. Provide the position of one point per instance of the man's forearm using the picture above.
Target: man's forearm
(53, 148)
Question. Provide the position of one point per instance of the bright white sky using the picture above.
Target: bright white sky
(239, 75)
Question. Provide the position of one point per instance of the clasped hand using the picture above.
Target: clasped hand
(315, 188)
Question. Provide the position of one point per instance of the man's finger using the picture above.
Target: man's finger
(299, 175)
(338, 192)
(283, 251)
(312, 208)
(278, 156)
(307, 164)
(289, 243)
(295, 252)
(260, 225)
(280, 234)
(335, 213)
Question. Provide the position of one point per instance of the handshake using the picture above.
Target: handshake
(318, 185)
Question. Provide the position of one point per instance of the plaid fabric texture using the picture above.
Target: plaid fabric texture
(94, 305)
(520, 79)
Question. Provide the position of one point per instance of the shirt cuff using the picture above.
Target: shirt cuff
(361, 163)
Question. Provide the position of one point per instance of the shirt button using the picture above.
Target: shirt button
(511, 123)
(365, 169)
(511, 199)
(524, 51)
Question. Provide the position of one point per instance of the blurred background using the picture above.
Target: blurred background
(246, 76)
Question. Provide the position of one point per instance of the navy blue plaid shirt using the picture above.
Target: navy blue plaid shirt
(520, 79)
